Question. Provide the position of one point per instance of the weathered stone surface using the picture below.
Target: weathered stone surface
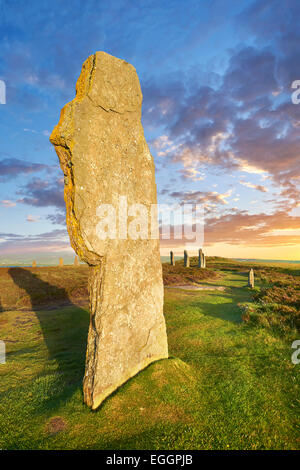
(103, 153)
(186, 259)
(172, 259)
(76, 262)
(203, 260)
(251, 278)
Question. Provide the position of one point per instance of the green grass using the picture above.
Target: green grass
(227, 384)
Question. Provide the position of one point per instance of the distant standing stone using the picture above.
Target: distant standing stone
(172, 260)
(61, 262)
(200, 258)
(34, 264)
(76, 262)
(186, 259)
(251, 278)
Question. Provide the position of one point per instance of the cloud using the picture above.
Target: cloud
(12, 167)
(42, 193)
(239, 228)
(7, 203)
(11, 243)
(161, 101)
(32, 218)
(242, 124)
(46, 133)
(192, 174)
(261, 229)
(164, 145)
(259, 187)
(57, 219)
(275, 23)
(248, 87)
(201, 197)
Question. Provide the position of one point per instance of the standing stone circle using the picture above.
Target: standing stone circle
(103, 153)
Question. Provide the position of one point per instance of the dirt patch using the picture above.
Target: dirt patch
(23, 321)
(196, 287)
(56, 425)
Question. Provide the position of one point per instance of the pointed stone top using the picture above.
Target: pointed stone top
(109, 83)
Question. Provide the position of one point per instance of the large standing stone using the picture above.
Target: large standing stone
(172, 259)
(251, 278)
(76, 261)
(103, 153)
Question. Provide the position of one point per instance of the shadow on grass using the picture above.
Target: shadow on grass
(221, 304)
(64, 330)
(226, 311)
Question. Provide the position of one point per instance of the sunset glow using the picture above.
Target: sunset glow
(217, 112)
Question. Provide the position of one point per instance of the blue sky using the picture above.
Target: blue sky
(216, 78)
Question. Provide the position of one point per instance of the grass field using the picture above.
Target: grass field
(228, 384)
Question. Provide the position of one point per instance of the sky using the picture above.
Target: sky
(218, 116)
